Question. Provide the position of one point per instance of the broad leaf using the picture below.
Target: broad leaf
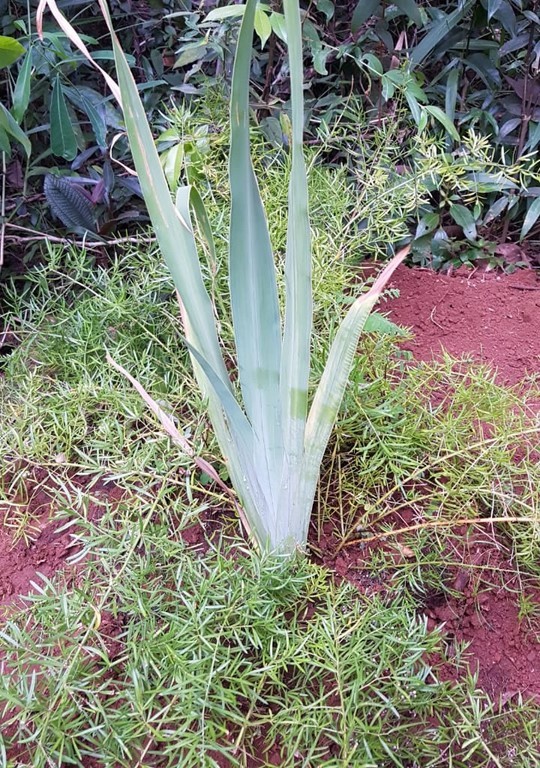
(10, 51)
(533, 214)
(443, 119)
(464, 218)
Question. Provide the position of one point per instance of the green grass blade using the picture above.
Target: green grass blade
(329, 393)
(295, 364)
(188, 198)
(252, 275)
(239, 440)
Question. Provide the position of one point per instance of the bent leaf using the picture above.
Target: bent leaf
(12, 128)
(329, 393)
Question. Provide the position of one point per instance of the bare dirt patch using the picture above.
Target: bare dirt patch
(490, 316)
(45, 548)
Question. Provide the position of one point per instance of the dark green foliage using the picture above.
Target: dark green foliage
(68, 203)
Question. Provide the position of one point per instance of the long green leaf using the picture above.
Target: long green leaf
(438, 31)
(329, 393)
(232, 429)
(21, 93)
(252, 277)
(295, 364)
(451, 94)
(12, 128)
(443, 119)
(174, 236)
(241, 445)
(187, 198)
(177, 244)
(63, 139)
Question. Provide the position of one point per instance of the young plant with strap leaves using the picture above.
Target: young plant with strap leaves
(272, 436)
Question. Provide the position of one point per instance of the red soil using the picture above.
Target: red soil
(46, 549)
(492, 317)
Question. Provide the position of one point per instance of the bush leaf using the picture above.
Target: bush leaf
(63, 139)
(10, 51)
(464, 218)
(531, 218)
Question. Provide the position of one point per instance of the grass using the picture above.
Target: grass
(162, 657)
(168, 654)
(446, 442)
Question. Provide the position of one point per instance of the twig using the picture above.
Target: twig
(36, 236)
(437, 524)
(179, 440)
(525, 287)
(423, 467)
(433, 319)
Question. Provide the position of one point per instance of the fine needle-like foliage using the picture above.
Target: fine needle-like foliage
(272, 438)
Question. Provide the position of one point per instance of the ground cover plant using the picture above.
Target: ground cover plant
(152, 634)
(175, 657)
(174, 643)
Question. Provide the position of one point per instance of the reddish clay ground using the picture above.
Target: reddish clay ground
(493, 318)
(488, 315)
(46, 549)
(503, 647)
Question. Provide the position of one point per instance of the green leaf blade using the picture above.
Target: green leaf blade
(464, 218)
(63, 138)
(295, 365)
(252, 277)
(175, 238)
(21, 93)
(438, 31)
(11, 128)
(329, 393)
